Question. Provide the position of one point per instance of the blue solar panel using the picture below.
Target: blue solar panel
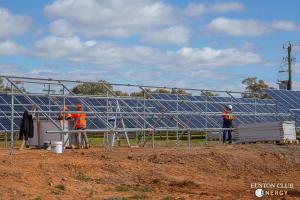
(189, 109)
(287, 102)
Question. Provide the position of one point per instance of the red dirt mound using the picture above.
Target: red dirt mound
(210, 172)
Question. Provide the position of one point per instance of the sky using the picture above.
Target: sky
(192, 44)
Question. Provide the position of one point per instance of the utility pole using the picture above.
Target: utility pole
(289, 83)
(286, 84)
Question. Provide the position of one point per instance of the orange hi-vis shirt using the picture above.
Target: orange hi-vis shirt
(79, 120)
(227, 119)
(228, 116)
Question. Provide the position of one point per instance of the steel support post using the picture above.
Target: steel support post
(177, 139)
(12, 122)
(167, 136)
(189, 138)
(153, 138)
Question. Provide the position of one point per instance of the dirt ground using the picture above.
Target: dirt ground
(209, 172)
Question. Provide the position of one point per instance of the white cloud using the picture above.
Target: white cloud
(8, 48)
(238, 27)
(137, 13)
(195, 10)
(284, 25)
(65, 28)
(173, 35)
(227, 7)
(73, 49)
(207, 56)
(112, 18)
(113, 55)
(9, 69)
(11, 25)
(198, 9)
(90, 43)
(152, 20)
(61, 28)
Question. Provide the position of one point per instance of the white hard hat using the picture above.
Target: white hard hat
(229, 107)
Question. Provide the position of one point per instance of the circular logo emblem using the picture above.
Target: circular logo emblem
(259, 192)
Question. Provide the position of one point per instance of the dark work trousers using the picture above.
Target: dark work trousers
(229, 136)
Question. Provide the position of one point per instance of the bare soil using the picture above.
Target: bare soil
(209, 172)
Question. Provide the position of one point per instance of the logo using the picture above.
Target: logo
(259, 192)
(271, 189)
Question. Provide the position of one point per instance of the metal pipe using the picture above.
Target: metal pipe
(139, 129)
(85, 103)
(120, 84)
(172, 113)
(153, 134)
(189, 138)
(14, 85)
(153, 99)
(12, 122)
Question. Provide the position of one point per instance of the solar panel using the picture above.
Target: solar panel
(158, 110)
(287, 102)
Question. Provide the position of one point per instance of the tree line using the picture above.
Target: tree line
(254, 88)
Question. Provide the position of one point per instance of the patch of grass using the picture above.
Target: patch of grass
(60, 187)
(56, 192)
(117, 198)
(98, 180)
(168, 198)
(183, 183)
(109, 190)
(121, 189)
(137, 197)
(82, 177)
(147, 189)
(37, 198)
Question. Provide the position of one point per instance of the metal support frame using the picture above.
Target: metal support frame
(137, 113)
(33, 103)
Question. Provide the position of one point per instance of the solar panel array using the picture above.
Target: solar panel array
(287, 102)
(169, 111)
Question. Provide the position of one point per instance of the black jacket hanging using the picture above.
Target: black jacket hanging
(26, 127)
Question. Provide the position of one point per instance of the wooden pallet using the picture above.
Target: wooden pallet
(289, 142)
(282, 142)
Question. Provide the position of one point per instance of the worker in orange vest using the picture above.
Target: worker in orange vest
(227, 123)
(80, 124)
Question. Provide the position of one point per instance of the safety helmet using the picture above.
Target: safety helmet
(229, 107)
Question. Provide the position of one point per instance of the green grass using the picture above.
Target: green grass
(97, 140)
(137, 197)
(60, 187)
(37, 198)
(117, 198)
(82, 177)
(168, 198)
(160, 140)
(147, 189)
(56, 192)
(121, 189)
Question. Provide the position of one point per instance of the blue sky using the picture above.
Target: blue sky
(197, 44)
